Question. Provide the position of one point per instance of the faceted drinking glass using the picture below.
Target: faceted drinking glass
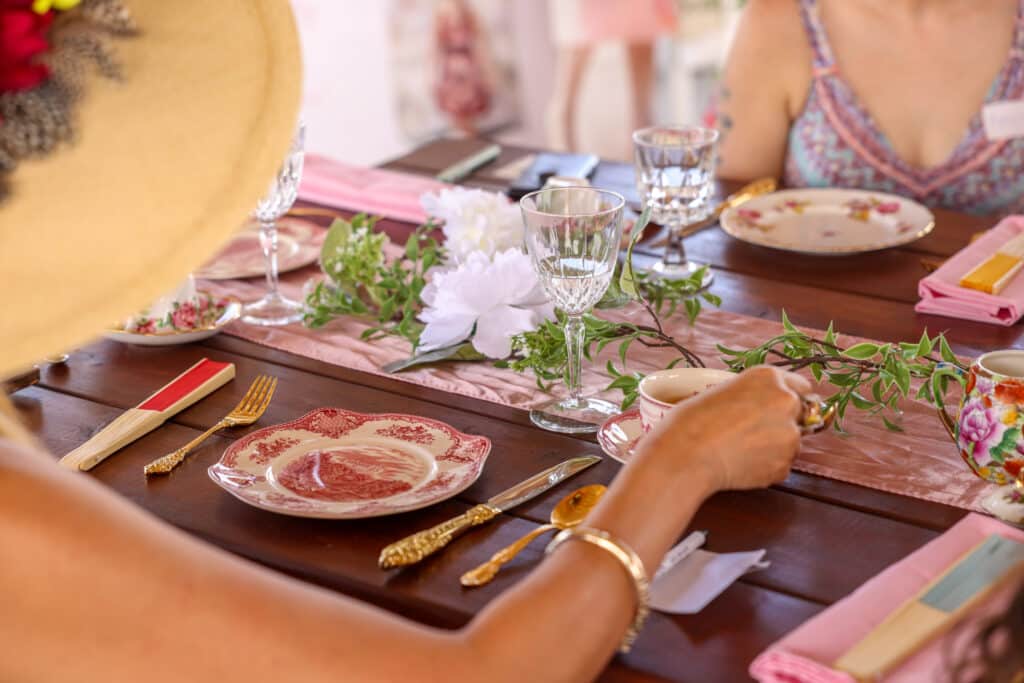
(572, 236)
(274, 308)
(675, 173)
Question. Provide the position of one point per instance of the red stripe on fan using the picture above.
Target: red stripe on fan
(184, 385)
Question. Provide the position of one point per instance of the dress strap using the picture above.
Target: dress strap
(824, 62)
(1018, 35)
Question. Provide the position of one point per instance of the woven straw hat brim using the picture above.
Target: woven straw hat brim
(166, 164)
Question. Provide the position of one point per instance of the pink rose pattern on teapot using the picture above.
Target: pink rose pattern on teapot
(990, 425)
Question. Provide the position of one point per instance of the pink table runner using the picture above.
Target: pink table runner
(920, 462)
(374, 190)
(805, 654)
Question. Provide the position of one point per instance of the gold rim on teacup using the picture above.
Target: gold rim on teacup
(679, 384)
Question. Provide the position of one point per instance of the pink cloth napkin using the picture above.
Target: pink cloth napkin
(376, 191)
(803, 655)
(941, 295)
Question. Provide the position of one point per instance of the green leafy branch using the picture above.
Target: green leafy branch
(543, 350)
(363, 283)
(870, 377)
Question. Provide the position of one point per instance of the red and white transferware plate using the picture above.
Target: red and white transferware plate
(298, 245)
(827, 221)
(620, 434)
(338, 464)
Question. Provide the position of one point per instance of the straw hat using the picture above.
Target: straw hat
(165, 164)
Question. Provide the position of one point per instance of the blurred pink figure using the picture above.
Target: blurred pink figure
(580, 24)
(463, 89)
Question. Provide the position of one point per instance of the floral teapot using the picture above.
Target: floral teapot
(989, 431)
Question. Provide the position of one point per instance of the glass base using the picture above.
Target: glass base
(681, 271)
(273, 309)
(573, 417)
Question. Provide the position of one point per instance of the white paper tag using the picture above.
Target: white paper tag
(1003, 120)
(689, 586)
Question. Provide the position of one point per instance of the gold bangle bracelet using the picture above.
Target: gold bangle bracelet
(632, 563)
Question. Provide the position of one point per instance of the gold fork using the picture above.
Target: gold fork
(249, 409)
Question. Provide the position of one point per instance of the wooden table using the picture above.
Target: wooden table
(824, 537)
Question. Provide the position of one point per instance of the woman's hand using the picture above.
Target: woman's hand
(743, 432)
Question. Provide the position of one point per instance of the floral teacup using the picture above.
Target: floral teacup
(988, 430)
(661, 391)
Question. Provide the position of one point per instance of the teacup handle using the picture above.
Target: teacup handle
(816, 416)
(946, 370)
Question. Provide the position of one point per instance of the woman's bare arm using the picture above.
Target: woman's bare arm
(763, 88)
(93, 589)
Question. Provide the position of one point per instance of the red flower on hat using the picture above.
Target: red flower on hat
(22, 39)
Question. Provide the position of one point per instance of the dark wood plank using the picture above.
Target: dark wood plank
(923, 513)
(793, 527)
(342, 555)
(887, 275)
(856, 314)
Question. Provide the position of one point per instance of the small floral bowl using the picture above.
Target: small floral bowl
(989, 430)
(186, 322)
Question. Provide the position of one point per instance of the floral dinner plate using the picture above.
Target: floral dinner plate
(620, 434)
(298, 245)
(827, 221)
(338, 464)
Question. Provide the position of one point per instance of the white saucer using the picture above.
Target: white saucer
(1005, 503)
(620, 434)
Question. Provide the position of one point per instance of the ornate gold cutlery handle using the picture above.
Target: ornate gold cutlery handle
(412, 549)
(489, 569)
(173, 459)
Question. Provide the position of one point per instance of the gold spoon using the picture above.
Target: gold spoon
(569, 512)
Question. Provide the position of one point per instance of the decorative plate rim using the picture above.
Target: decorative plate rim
(232, 311)
(909, 237)
(219, 472)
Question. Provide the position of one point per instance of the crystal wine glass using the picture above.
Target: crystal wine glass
(274, 308)
(573, 235)
(675, 173)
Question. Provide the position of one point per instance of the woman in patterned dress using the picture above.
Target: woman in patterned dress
(886, 95)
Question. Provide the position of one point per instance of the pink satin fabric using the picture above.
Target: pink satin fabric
(941, 293)
(376, 191)
(920, 462)
(805, 654)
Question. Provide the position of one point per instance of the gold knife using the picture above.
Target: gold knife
(745, 193)
(412, 549)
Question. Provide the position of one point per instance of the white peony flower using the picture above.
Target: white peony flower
(501, 296)
(475, 220)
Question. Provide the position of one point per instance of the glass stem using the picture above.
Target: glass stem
(675, 253)
(268, 241)
(574, 334)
